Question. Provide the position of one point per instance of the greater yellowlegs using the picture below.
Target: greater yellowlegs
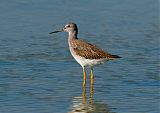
(84, 53)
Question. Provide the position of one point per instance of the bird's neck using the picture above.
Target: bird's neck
(72, 35)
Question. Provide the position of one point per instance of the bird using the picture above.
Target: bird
(86, 54)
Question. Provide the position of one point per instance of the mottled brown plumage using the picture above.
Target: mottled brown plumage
(90, 51)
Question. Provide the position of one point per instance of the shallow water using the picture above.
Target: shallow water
(38, 74)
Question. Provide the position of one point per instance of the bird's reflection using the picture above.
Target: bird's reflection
(82, 104)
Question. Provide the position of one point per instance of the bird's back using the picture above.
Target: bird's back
(89, 51)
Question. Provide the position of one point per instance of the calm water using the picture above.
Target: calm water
(38, 74)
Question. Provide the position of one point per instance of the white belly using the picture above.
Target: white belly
(87, 62)
(83, 61)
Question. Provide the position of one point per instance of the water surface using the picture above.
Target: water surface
(38, 74)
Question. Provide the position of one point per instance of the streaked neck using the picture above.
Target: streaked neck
(72, 35)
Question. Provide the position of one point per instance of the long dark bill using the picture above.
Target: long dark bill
(56, 31)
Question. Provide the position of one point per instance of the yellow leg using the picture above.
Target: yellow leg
(84, 76)
(84, 94)
(92, 76)
(91, 92)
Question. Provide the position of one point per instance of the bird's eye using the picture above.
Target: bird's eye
(68, 26)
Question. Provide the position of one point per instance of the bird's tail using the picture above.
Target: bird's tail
(111, 57)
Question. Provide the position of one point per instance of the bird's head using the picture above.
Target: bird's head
(70, 27)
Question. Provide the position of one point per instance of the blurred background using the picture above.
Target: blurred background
(38, 74)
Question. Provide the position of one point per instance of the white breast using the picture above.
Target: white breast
(85, 62)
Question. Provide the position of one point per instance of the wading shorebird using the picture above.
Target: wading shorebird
(84, 53)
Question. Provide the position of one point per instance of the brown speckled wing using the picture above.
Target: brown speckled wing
(89, 51)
